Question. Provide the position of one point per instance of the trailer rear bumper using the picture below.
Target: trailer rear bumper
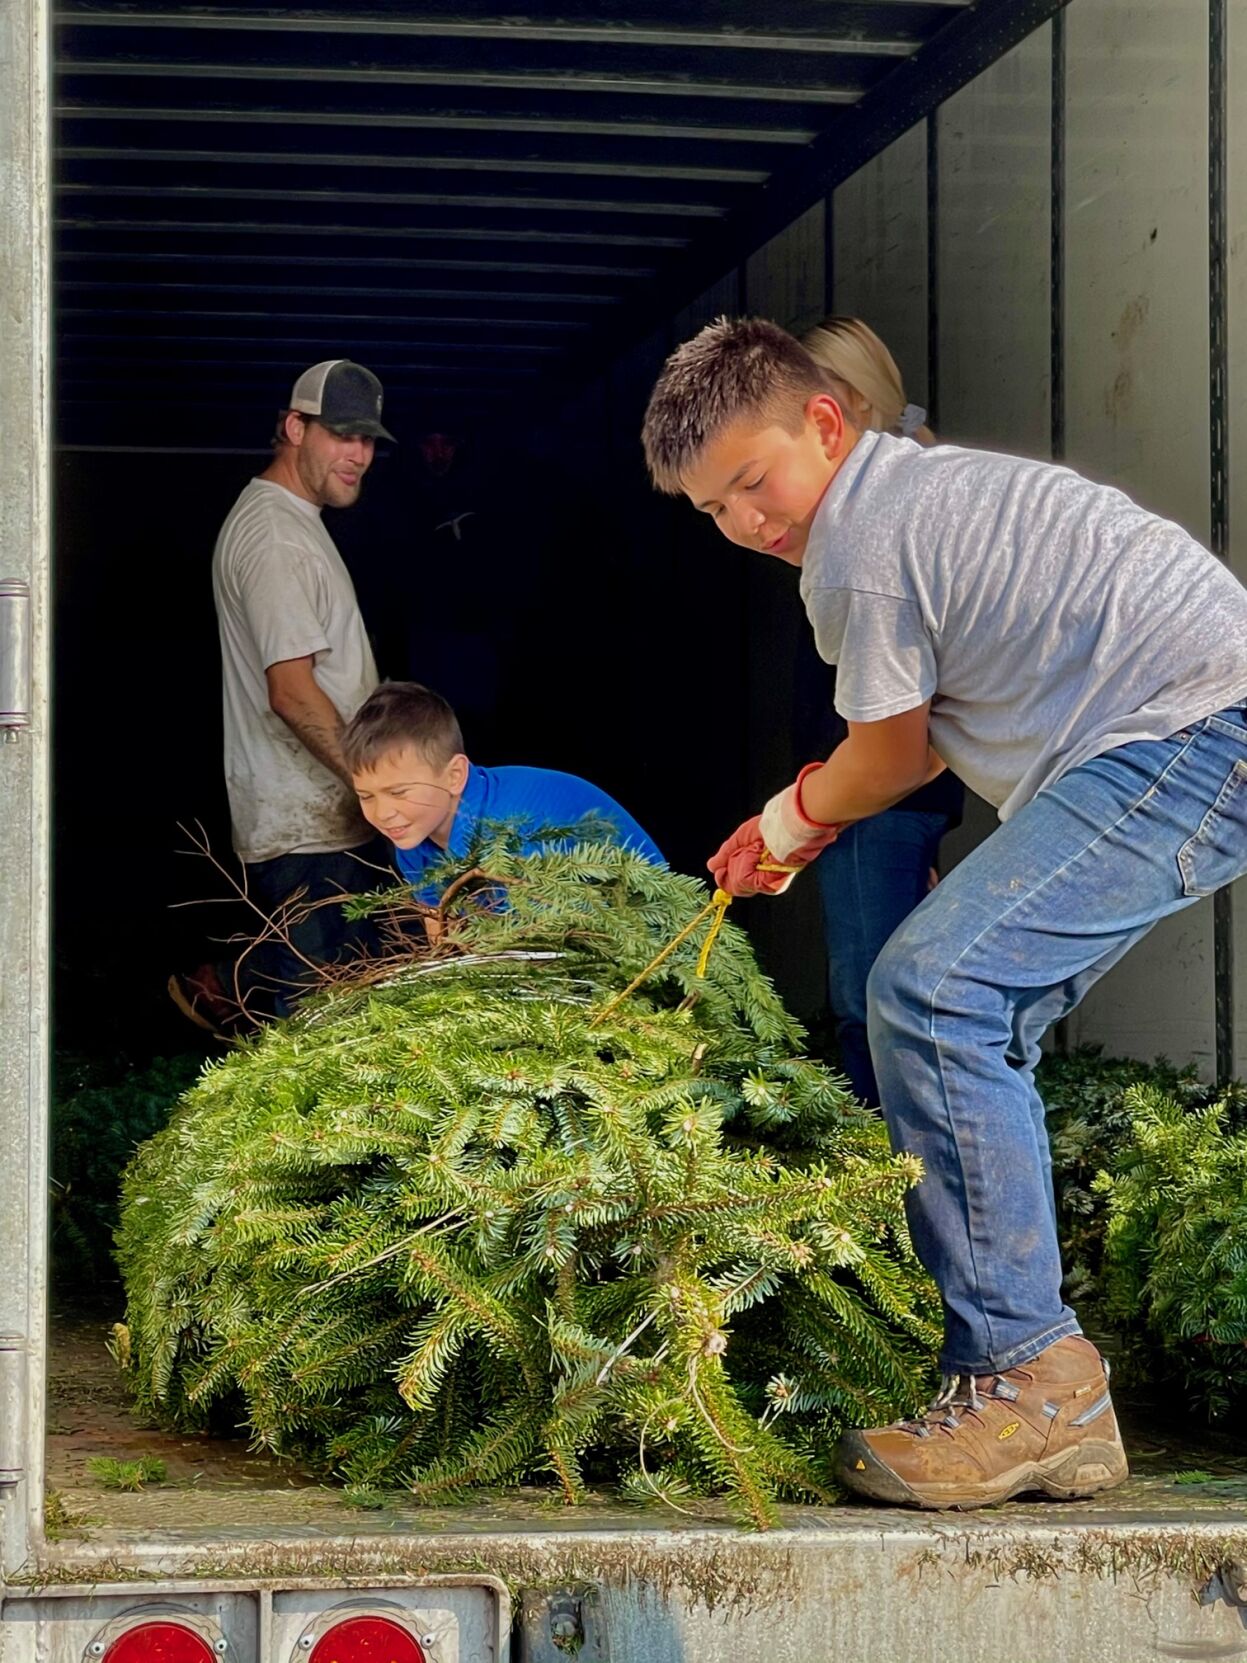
(1037, 1586)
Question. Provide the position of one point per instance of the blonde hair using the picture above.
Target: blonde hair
(851, 352)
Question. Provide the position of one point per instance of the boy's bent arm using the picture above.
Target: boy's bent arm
(297, 697)
(879, 764)
(876, 766)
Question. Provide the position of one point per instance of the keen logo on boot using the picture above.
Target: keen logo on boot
(1008, 1431)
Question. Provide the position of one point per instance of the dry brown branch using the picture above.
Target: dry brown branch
(461, 882)
(407, 929)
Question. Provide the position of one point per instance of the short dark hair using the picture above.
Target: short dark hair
(735, 367)
(280, 437)
(401, 713)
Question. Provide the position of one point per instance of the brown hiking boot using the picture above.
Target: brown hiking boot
(200, 997)
(1047, 1425)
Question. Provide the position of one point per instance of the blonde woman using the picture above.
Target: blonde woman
(878, 870)
(870, 383)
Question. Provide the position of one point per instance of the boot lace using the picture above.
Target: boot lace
(958, 1394)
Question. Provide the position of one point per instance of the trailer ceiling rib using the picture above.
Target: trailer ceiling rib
(473, 203)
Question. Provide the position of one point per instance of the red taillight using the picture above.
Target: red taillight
(367, 1640)
(160, 1643)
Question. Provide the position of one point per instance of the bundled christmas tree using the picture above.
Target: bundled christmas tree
(473, 1218)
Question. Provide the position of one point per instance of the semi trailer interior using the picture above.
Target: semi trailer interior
(512, 219)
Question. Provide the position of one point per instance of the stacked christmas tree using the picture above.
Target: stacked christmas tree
(472, 1219)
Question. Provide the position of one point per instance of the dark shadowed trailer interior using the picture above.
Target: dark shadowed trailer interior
(477, 205)
(511, 217)
(484, 209)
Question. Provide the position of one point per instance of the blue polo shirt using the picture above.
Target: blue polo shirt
(533, 799)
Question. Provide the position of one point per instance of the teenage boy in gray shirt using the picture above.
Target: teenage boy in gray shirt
(1080, 663)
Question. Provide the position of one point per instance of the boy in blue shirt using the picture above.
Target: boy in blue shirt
(415, 785)
(1080, 663)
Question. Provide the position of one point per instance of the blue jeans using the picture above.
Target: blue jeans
(1008, 943)
(870, 879)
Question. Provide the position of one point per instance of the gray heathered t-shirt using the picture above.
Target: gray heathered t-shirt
(1047, 619)
(282, 592)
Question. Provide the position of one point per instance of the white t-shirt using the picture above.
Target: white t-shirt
(1048, 619)
(282, 592)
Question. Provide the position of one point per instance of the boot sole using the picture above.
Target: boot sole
(1088, 1469)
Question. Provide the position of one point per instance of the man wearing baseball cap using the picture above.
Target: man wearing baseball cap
(296, 664)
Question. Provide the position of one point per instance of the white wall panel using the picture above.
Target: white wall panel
(1137, 250)
(1137, 381)
(994, 235)
(1237, 285)
(784, 279)
(879, 233)
(720, 298)
(1237, 289)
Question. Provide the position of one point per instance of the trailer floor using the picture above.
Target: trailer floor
(217, 1486)
(1157, 1569)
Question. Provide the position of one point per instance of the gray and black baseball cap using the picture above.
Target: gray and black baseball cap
(344, 397)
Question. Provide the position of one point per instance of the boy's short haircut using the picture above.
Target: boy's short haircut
(735, 367)
(398, 714)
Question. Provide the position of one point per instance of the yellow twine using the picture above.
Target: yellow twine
(722, 901)
(654, 963)
(717, 906)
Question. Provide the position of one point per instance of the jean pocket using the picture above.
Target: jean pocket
(1217, 854)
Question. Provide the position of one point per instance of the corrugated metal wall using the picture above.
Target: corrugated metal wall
(1092, 139)
(1137, 379)
(1236, 285)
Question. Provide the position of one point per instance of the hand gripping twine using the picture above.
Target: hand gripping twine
(716, 910)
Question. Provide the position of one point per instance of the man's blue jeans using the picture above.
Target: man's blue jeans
(1008, 943)
(870, 879)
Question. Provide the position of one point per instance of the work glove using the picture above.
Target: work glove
(749, 863)
(785, 825)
